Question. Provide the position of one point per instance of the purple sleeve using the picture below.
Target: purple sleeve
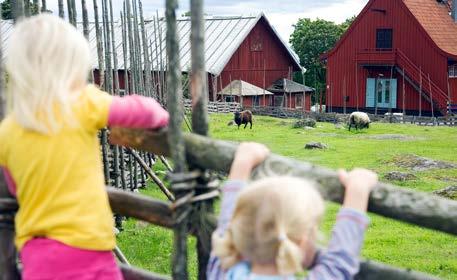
(230, 192)
(341, 259)
(134, 111)
(9, 181)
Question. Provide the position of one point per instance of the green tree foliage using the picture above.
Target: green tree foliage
(7, 8)
(310, 39)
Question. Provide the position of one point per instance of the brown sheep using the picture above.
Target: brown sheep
(243, 117)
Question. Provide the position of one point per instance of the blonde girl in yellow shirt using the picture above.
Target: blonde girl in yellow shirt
(50, 154)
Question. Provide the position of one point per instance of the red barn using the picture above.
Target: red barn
(236, 48)
(398, 55)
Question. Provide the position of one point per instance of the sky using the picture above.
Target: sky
(282, 14)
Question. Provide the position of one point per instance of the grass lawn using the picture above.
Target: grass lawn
(387, 240)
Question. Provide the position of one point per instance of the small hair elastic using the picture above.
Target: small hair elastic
(282, 237)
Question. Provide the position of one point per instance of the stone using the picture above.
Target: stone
(339, 126)
(230, 123)
(400, 176)
(448, 192)
(315, 145)
(307, 122)
(417, 163)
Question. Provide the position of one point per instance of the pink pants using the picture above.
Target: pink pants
(47, 259)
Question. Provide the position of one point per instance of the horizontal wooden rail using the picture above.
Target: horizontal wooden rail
(141, 207)
(132, 273)
(378, 271)
(422, 209)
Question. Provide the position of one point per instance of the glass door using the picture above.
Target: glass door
(383, 92)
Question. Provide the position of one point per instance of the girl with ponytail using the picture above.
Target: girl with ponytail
(268, 229)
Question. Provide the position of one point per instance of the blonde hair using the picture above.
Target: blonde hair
(47, 62)
(270, 219)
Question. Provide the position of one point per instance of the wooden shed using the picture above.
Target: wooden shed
(290, 94)
(398, 55)
(245, 93)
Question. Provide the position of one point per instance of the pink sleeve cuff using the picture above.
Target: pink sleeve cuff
(135, 111)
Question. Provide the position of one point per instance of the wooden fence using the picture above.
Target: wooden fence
(216, 107)
(279, 112)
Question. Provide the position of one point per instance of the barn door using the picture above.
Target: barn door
(381, 91)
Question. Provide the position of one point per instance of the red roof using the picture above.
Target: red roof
(435, 19)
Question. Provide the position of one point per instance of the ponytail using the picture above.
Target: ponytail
(224, 248)
(289, 257)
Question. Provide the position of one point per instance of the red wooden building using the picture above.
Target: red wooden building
(236, 48)
(398, 55)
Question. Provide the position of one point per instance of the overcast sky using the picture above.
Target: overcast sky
(281, 13)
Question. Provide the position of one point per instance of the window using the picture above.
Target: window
(298, 101)
(384, 39)
(379, 90)
(387, 91)
(230, 98)
(453, 71)
(278, 100)
(256, 41)
(257, 100)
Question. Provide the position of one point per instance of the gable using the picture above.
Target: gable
(430, 17)
(260, 50)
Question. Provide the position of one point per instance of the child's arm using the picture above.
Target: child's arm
(341, 259)
(247, 156)
(135, 111)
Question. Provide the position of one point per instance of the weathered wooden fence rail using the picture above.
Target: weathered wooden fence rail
(280, 112)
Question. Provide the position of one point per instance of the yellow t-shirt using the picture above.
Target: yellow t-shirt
(59, 178)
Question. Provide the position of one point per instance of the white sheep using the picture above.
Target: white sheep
(359, 120)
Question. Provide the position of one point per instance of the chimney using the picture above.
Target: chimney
(454, 10)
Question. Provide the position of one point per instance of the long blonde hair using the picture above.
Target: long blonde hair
(47, 62)
(270, 219)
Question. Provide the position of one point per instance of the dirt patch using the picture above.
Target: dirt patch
(399, 137)
(418, 163)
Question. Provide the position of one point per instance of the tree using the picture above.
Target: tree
(7, 8)
(310, 39)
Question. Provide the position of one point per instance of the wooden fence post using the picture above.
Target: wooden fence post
(7, 249)
(175, 140)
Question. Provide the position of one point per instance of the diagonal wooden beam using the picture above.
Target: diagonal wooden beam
(422, 209)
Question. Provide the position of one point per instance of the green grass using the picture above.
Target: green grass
(387, 240)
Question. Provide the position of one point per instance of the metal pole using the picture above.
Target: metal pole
(431, 95)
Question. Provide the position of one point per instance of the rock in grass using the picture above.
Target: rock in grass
(449, 192)
(418, 163)
(230, 123)
(400, 176)
(315, 145)
(307, 122)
